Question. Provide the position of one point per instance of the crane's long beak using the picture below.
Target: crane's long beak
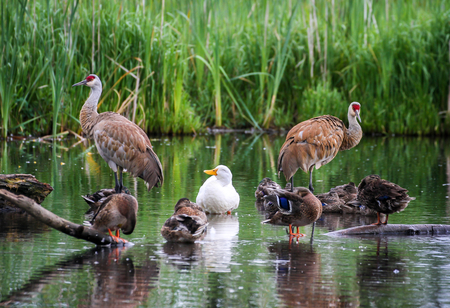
(357, 116)
(81, 83)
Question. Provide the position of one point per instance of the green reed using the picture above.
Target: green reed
(179, 67)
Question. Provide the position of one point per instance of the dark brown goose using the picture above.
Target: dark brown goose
(315, 142)
(188, 223)
(120, 142)
(382, 196)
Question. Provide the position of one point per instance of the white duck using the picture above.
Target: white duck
(217, 195)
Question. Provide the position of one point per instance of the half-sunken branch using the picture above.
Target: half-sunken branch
(391, 229)
(56, 222)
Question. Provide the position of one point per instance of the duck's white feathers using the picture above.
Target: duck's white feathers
(217, 195)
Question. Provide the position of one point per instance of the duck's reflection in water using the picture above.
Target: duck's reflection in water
(219, 242)
(116, 281)
(299, 279)
(378, 270)
(183, 255)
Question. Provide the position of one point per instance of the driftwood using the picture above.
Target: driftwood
(394, 229)
(23, 184)
(58, 223)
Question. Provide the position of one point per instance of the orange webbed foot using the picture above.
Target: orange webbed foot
(378, 223)
(297, 234)
(117, 237)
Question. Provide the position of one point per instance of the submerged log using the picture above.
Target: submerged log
(58, 223)
(393, 229)
(23, 184)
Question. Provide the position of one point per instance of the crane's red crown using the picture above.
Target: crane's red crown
(90, 78)
(356, 106)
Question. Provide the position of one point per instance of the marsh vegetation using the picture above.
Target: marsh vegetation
(179, 67)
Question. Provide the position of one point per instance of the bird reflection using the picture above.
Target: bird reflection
(379, 267)
(219, 242)
(299, 279)
(183, 255)
(116, 281)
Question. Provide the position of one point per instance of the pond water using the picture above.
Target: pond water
(241, 263)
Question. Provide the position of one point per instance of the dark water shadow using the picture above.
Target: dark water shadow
(20, 226)
(116, 281)
(300, 282)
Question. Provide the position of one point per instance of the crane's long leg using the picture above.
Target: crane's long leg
(120, 170)
(119, 181)
(117, 186)
(292, 183)
(311, 188)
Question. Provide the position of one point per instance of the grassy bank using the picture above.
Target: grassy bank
(178, 66)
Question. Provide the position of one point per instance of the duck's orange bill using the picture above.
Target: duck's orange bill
(211, 172)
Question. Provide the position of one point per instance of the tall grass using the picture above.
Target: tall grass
(179, 67)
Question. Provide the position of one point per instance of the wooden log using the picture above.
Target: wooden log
(58, 223)
(24, 184)
(393, 229)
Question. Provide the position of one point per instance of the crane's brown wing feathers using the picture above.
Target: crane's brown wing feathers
(314, 142)
(123, 142)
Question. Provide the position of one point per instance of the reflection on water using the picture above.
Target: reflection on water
(333, 221)
(115, 280)
(15, 226)
(220, 242)
(183, 255)
(300, 282)
(241, 262)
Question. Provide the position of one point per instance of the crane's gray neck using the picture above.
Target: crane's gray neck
(353, 134)
(89, 114)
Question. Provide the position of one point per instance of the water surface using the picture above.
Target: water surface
(241, 262)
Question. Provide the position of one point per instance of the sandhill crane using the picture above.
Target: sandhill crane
(120, 142)
(382, 196)
(315, 142)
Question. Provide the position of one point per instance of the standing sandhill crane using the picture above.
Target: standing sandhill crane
(315, 142)
(120, 142)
